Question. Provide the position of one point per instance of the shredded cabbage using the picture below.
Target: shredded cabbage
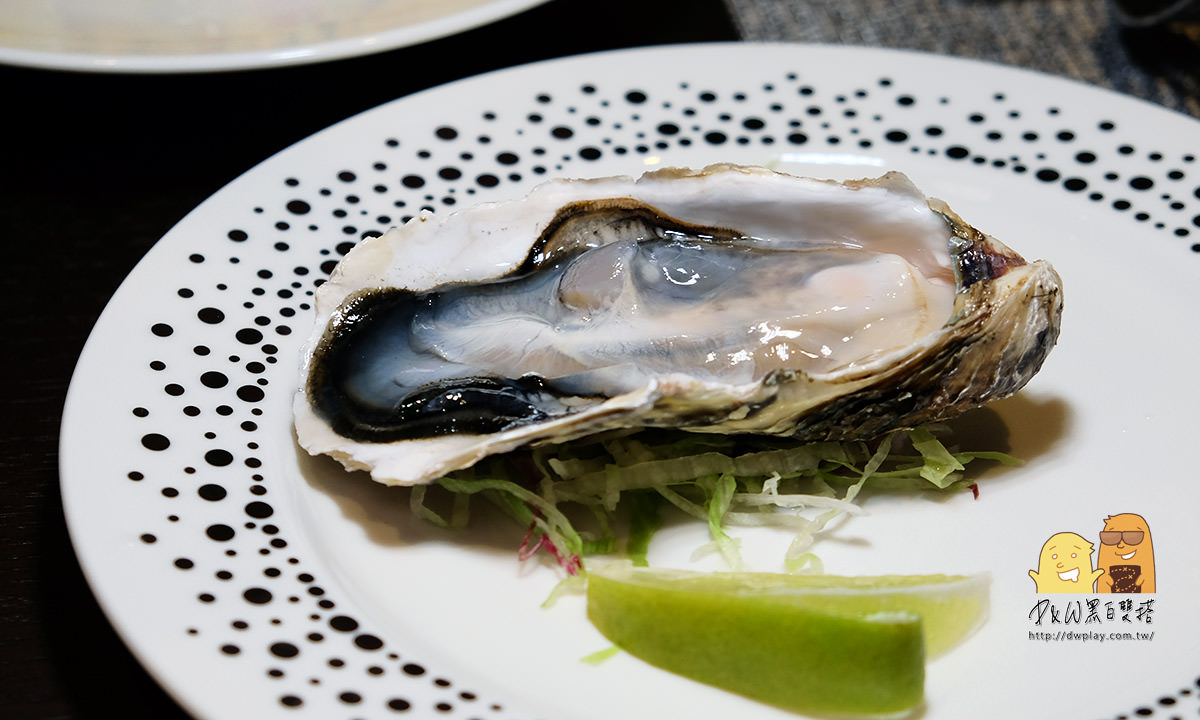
(723, 481)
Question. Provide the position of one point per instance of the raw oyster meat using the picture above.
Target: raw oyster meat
(730, 299)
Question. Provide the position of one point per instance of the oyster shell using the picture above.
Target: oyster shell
(730, 299)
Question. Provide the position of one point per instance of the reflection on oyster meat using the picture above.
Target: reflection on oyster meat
(730, 299)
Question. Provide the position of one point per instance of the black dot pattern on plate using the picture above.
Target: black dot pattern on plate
(566, 130)
(1184, 702)
(243, 306)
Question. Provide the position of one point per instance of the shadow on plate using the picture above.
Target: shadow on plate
(1025, 425)
(385, 512)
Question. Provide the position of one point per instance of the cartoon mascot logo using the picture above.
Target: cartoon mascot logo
(1124, 563)
(1065, 565)
(1126, 555)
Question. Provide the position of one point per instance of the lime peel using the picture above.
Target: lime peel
(806, 643)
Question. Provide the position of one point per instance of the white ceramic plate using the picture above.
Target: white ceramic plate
(256, 582)
(201, 35)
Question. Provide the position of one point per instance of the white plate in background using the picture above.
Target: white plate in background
(202, 35)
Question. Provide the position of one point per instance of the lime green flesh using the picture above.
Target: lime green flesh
(809, 644)
(950, 606)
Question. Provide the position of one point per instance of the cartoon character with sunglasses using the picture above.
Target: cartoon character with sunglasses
(1126, 555)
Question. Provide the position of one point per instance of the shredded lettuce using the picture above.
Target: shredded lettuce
(939, 463)
(644, 521)
(568, 497)
(601, 655)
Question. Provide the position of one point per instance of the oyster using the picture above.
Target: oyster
(730, 299)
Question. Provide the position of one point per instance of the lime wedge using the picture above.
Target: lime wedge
(807, 643)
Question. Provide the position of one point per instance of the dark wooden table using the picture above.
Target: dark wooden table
(95, 169)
